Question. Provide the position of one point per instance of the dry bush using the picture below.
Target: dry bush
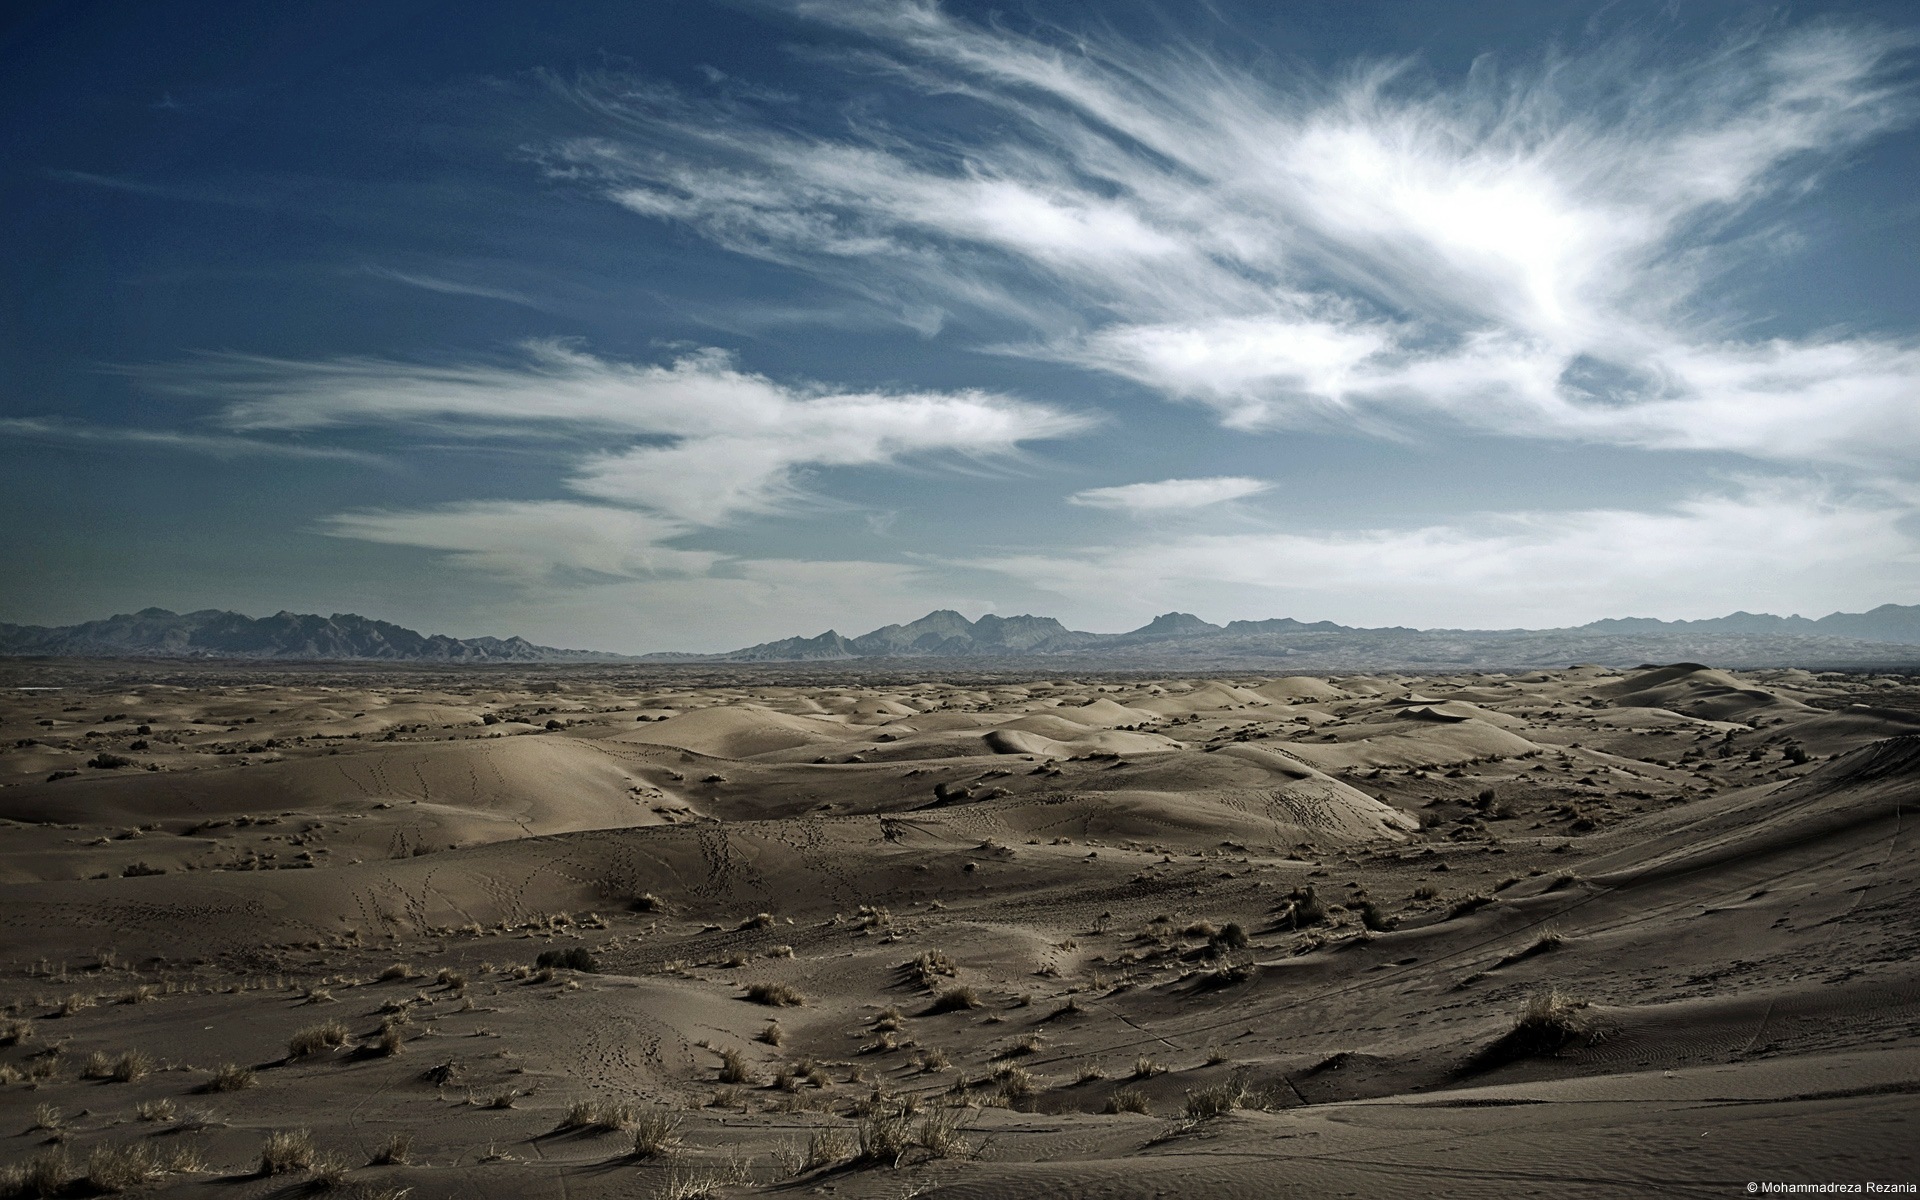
(47, 1117)
(956, 999)
(773, 1035)
(396, 1150)
(155, 1110)
(398, 971)
(1089, 1072)
(778, 995)
(824, 1148)
(287, 1150)
(934, 1059)
(389, 1042)
(1206, 1103)
(600, 1116)
(141, 994)
(231, 1077)
(733, 1067)
(1145, 1067)
(46, 1174)
(1469, 904)
(756, 921)
(1128, 1100)
(885, 1134)
(926, 970)
(13, 1032)
(656, 1132)
(889, 1020)
(314, 1039)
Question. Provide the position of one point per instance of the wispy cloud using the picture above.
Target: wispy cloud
(54, 432)
(1523, 250)
(451, 287)
(1170, 495)
(716, 442)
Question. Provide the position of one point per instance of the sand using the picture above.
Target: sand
(1048, 937)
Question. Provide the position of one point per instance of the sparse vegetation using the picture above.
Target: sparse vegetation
(573, 958)
(1128, 1100)
(956, 999)
(230, 1077)
(778, 995)
(287, 1150)
(317, 1039)
(656, 1132)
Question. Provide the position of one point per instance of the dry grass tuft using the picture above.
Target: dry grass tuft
(956, 999)
(287, 1150)
(733, 1067)
(231, 1077)
(395, 1151)
(1128, 1100)
(600, 1116)
(315, 1039)
(778, 995)
(656, 1132)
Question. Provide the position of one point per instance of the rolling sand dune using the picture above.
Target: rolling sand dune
(1582, 932)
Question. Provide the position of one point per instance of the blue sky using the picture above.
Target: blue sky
(686, 325)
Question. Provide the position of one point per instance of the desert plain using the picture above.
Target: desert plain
(592, 931)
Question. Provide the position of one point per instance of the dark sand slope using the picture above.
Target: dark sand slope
(1109, 938)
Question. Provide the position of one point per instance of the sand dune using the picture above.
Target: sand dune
(1293, 920)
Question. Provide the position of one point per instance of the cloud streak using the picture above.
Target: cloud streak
(1170, 495)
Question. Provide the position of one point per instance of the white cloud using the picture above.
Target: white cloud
(1170, 495)
(718, 441)
(1523, 250)
(1787, 548)
(535, 540)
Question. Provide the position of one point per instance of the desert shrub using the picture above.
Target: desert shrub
(328, 1035)
(940, 1133)
(1229, 937)
(1128, 1100)
(757, 921)
(1089, 1072)
(955, 999)
(779, 995)
(13, 1032)
(1373, 919)
(926, 970)
(396, 971)
(287, 1150)
(104, 761)
(885, 1134)
(656, 1132)
(1206, 1103)
(1548, 1023)
(1146, 1067)
(1304, 908)
(396, 1150)
(138, 869)
(230, 1077)
(389, 1041)
(574, 958)
(600, 1116)
(45, 1174)
(155, 1110)
(824, 1148)
(733, 1067)
(1469, 904)
(773, 1035)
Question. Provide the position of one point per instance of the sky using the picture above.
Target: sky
(687, 325)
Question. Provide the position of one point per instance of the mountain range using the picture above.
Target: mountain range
(1885, 636)
(947, 633)
(212, 633)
